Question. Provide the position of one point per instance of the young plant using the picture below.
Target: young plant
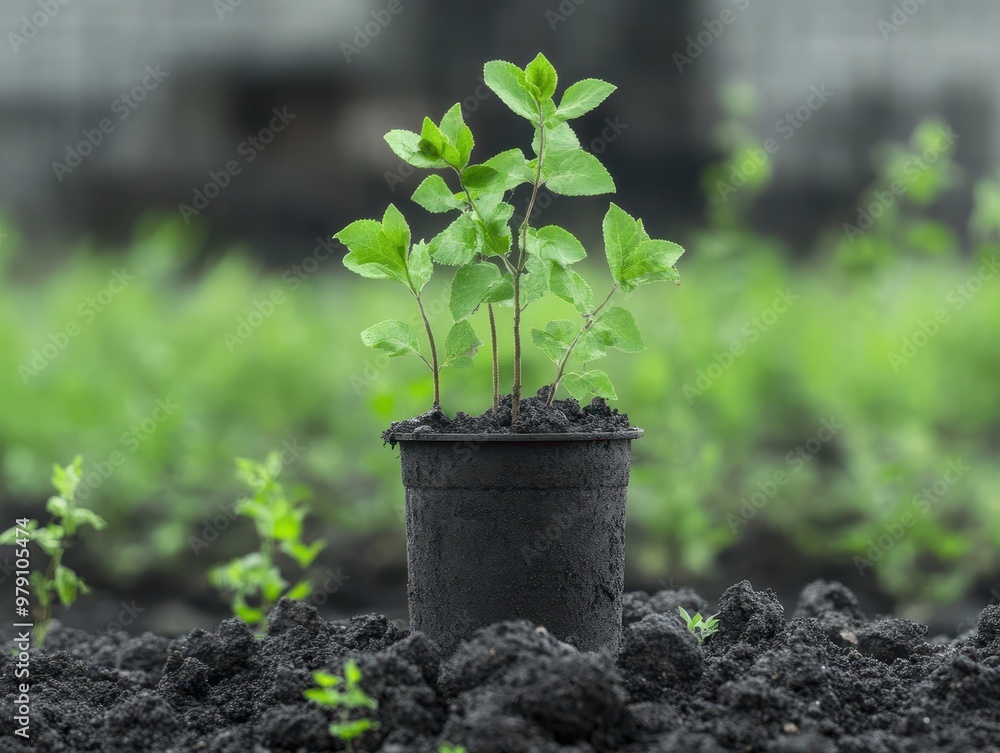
(700, 626)
(344, 694)
(254, 581)
(56, 582)
(506, 263)
(449, 748)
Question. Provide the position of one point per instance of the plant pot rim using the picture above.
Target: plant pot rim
(633, 433)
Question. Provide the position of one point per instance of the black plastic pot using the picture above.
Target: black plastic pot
(509, 526)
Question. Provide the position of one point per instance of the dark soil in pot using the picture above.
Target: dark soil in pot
(828, 680)
(562, 417)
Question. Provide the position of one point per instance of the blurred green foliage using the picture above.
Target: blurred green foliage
(754, 359)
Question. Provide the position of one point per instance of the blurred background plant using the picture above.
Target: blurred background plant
(819, 396)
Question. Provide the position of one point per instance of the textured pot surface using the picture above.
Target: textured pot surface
(502, 527)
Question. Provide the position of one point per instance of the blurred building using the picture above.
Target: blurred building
(180, 86)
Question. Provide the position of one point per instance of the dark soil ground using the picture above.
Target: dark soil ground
(828, 680)
(564, 416)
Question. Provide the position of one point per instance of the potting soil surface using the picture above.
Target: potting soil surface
(827, 680)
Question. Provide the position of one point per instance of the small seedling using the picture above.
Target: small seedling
(57, 581)
(500, 260)
(701, 627)
(449, 748)
(255, 581)
(345, 699)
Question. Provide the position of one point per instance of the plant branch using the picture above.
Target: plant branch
(515, 415)
(435, 369)
(496, 359)
(591, 319)
(489, 307)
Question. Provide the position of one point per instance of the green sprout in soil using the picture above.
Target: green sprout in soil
(503, 261)
(57, 581)
(449, 748)
(254, 581)
(701, 627)
(344, 694)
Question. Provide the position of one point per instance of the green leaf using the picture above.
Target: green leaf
(50, 538)
(482, 178)
(572, 288)
(471, 285)
(621, 238)
(582, 97)
(351, 730)
(537, 282)
(68, 585)
(457, 244)
(396, 230)
(372, 253)
(556, 339)
(352, 673)
(458, 134)
(650, 261)
(576, 173)
(509, 83)
(250, 615)
(513, 169)
(66, 479)
(299, 591)
(325, 679)
(593, 345)
(584, 385)
(406, 145)
(432, 141)
(392, 336)
(540, 74)
(558, 139)
(434, 195)
(555, 244)
(495, 229)
(624, 330)
(303, 554)
(83, 517)
(356, 698)
(57, 506)
(420, 266)
(461, 346)
(287, 525)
